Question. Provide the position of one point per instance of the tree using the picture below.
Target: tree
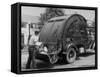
(93, 23)
(50, 13)
(54, 12)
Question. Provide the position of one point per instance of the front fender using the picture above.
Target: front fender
(70, 45)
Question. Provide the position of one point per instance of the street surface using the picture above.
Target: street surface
(84, 60)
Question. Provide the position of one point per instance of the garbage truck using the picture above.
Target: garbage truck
(63, 37)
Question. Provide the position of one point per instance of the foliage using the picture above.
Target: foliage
(50, 13)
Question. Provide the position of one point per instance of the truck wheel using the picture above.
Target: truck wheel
(71, 55)
(53, 58)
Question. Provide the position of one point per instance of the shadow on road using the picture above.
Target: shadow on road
(86, 54)
(46, 65)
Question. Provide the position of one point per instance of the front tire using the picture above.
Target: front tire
(71, 55)
(53, 58)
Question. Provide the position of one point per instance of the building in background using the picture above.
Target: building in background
(28, 26)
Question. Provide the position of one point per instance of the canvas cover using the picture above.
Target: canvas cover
(53, 30)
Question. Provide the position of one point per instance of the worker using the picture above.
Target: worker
(32, 50)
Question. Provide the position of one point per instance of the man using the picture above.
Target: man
(32, 50)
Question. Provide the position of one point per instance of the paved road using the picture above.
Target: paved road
(83, 61)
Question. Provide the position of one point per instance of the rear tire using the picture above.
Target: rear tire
(71, 55)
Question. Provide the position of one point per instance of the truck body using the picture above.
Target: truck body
(63, 36)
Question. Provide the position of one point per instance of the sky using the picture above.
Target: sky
(36, 11)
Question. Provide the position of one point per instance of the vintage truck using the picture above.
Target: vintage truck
(63, 36)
